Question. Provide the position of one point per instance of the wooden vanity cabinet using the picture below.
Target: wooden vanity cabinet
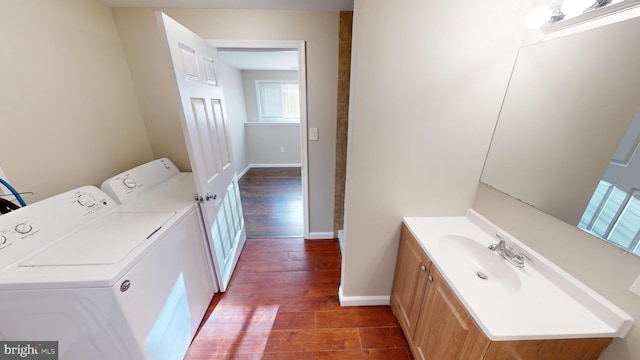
(438, 327)
(445, 330)
(435, 323)
(409, 282)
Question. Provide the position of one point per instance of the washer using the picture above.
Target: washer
(105, 282)
(159, 186)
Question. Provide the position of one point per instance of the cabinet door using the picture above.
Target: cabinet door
(445, 329)
(409, 283)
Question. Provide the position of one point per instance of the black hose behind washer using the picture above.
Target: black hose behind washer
(7, 206)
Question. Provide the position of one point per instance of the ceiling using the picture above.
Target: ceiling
(323, 5)
(243, 59)
(255, 59)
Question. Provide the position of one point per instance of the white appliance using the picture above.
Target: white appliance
(104, 282)
(156, 186)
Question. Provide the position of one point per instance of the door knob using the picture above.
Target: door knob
(208, 196)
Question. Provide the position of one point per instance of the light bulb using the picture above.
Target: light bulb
(572, 8)
(537, 16)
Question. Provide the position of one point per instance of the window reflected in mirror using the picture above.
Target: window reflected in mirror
(613, 213)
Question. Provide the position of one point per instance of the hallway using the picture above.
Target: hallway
(272, 202)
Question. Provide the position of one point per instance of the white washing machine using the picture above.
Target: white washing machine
(159, 186)
(104, 282)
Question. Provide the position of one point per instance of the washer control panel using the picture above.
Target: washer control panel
(139, 180)
(30, 228)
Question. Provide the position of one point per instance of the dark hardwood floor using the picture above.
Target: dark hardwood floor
(272, 202)
(282, 303)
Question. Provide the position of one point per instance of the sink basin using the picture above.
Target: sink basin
(474, 262)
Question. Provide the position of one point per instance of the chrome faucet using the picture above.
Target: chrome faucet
(508, 254)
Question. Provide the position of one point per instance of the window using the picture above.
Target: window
(278, 101)
(614, 215)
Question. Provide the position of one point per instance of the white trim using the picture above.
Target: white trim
(363, 300)
(244, 171)
(281, 165)
(275, 165)
(319, 235)
(302, 81)
(299, 45)
(341, 241)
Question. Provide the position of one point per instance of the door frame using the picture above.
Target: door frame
(299, 45)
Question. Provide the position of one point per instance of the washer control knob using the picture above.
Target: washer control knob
(86, 200)
(130, 183)
(3, 239)
(23, 228)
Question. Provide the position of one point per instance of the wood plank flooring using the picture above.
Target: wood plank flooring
(282, 303)
(272, 202)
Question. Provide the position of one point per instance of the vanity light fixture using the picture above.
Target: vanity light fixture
(539, 16)
(575, 10)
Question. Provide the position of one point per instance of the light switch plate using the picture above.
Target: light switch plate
(635, 287)
(313, 134)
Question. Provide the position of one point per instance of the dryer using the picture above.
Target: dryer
(105, 282)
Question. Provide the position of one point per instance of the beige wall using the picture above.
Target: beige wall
(236, 113)
(264, 143)
(427, 82)
(68, 110)
(599, 265)
(146, 58)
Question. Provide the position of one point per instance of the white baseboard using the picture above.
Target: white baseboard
(251, 166)
(320, 235)
(275, 165)
(341, 241)
(241, 174)
(362, 300)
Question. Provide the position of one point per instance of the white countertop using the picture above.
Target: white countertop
(539, 301)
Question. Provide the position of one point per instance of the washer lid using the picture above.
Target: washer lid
(103, 242)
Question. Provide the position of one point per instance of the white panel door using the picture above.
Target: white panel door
(202, 112)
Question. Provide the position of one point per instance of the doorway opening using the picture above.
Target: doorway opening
(265, 88)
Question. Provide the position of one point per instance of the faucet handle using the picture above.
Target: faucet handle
(501, 242)
(500, 245)
(522, 256)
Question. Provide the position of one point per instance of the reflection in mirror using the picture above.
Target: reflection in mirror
(568, 105)
(613, 213)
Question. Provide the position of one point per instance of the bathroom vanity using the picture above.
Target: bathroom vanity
(457, 299)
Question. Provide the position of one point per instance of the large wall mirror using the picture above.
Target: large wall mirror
(569, 104)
